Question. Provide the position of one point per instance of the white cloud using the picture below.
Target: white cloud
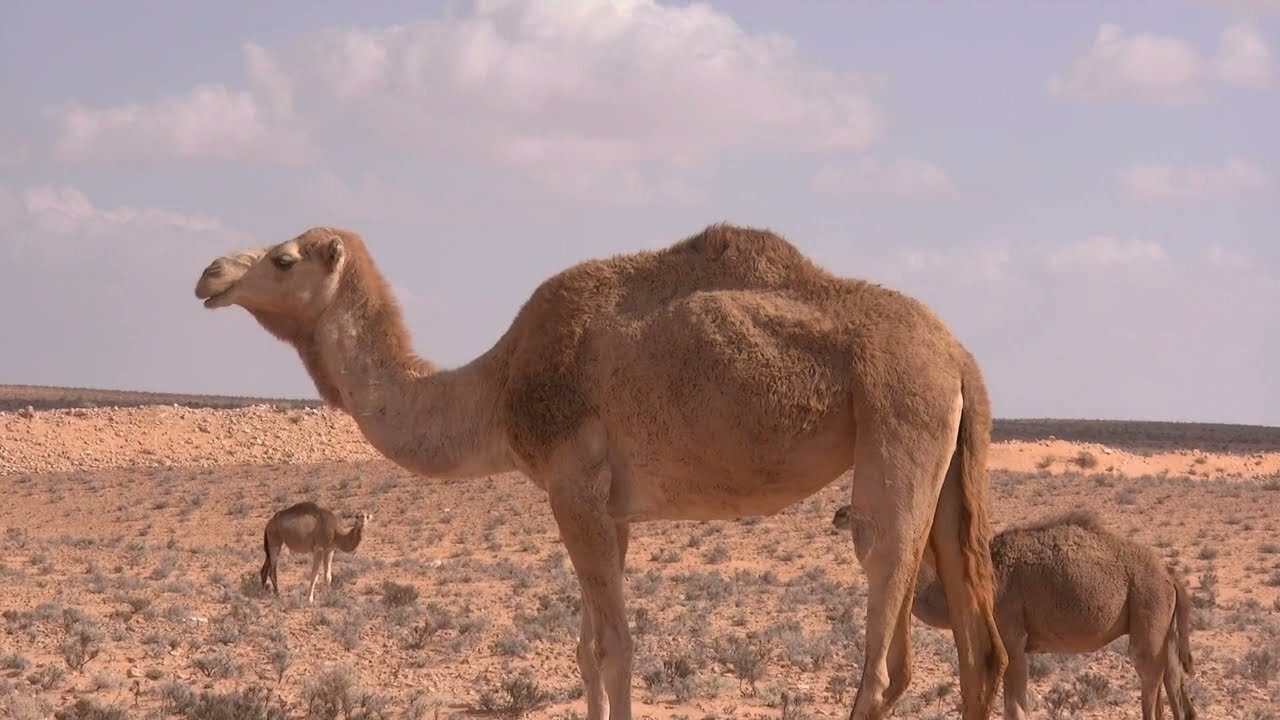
(66, 210)
(209, 122)
(608, 97)
(100, 291)
(54, 224)
(901, 176)
(268, 80)
(1167, 183)
(976, 262)
(1104, 252)
(1224, 257)
(1163, 69)
(1244, 60)
(1146, 66)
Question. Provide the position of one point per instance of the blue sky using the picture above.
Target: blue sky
(1086, 192)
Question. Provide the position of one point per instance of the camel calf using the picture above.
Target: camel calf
(1068, 585)
(307, 527)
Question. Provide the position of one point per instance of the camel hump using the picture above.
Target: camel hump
(1084, 519)
(758, 249)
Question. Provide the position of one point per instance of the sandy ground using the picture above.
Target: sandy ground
(132, 536)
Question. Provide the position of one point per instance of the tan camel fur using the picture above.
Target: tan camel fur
(723, 376)
(1067, 584)
(307, 527)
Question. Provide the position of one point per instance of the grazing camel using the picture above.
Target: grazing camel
(1067, 584)
(725, 375)
(307, 527)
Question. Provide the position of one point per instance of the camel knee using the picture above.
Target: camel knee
(610, 648)
(587, 659)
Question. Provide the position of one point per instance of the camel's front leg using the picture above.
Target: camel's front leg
(316, 561)
(328, 567)
(892, 510)
(596, 546)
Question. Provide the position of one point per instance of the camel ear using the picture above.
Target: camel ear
(332, 253)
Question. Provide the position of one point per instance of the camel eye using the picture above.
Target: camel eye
(283, 262)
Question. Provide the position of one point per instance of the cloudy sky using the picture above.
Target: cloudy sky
(1088, 193)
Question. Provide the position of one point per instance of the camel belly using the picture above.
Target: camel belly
(299, 548)
(1074, 618)
(713, 486)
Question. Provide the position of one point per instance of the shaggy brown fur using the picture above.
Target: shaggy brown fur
(307, 527)
(1067, 584)
(725, 375)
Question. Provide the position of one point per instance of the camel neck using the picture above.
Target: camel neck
(431, 421)
(930, 603)
(350, 540)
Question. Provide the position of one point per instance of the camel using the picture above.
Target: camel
(307, 527)
(1067, 584)
(722, 376)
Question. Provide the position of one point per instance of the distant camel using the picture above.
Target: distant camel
(722, 376)
(1067, 584)
(307, 527)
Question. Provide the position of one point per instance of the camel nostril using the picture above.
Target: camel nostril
(215, 269)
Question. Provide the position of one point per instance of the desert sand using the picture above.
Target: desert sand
(133, 538)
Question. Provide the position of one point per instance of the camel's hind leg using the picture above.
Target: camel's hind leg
(1148, 654)
(898, 472)
(1175, 686)
(587, 665)
(1151, 632)
(269, 568)
(1151, 675)
(578, 492)
(275, 568)
(1015, 675)
(973, 623)
(265, 573)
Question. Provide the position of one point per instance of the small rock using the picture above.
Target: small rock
(27, 412)
(133, 672)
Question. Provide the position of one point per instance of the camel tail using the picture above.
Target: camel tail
(1182, 615)
(961, 543)
(972, 443)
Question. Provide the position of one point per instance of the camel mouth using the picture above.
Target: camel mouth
(219, 300)
(214, 287)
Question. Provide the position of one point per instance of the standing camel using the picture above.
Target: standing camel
(1067, 584)
(725, 375)
(307, 527)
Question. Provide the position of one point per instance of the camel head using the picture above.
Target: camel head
(363, 520)
(840, 521)
(285, 286)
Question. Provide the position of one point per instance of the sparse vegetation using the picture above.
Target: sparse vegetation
(761, 617)
(1085, 460)
(513, 696)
